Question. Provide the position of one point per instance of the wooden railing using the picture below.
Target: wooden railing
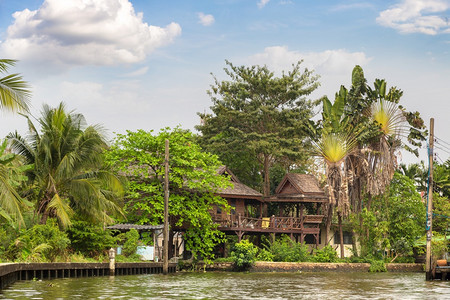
(269, 223)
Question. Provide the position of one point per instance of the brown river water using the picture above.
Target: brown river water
(228, 285)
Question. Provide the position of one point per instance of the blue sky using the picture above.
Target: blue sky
(130, 64)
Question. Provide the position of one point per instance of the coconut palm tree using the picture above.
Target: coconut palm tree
(68, 174)
(11, 203)
(14, 92)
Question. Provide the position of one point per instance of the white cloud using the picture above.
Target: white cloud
(333, 66)
(422, 16)
(330, 61)
(84, 32)
(262, 3)
(205, 20)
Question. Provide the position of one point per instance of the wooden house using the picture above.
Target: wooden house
(299, 199)
(243, 200)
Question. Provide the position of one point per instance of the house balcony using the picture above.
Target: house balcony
(308, 224)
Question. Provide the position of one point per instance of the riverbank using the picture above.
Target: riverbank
(12, 272)
(264, 266)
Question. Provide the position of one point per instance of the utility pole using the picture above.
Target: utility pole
(166, 211)
(428, 266)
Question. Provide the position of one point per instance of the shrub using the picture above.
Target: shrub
(264, 255)
(244, 255)
(284, 249)
(89, 239)
(223, 259)
(377, 266)
(131, 242)
(326, 254)
(39, 243)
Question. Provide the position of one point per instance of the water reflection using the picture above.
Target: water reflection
(236, 286)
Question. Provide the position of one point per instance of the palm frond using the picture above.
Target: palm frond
(62, 210)
(15, 93)
(334, 147)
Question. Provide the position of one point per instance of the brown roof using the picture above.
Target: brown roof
(238, 189)
(303, 183)
(224, 170)
(296, 187)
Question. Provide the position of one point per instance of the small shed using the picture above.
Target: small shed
(155, 229)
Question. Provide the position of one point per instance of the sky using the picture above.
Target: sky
(147, 64)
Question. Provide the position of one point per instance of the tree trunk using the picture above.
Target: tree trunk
(328, 224)
(341, 235)
(266, 176)
(44, 217)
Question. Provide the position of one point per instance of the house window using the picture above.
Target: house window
(219, 210)
(233, 206)
(347, 237)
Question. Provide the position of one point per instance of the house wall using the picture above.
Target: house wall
(335, 243)
(288, 189)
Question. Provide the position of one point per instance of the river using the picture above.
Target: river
(227, 285)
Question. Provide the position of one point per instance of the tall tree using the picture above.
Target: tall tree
(376, 122)
(68, 175)
(14, 92)
(258, 118)
(11, 174)
(193, 183)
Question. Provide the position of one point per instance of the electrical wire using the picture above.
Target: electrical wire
(442, 145)
(442, 140)
(442, 149)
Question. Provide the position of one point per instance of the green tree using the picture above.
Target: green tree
(193, 183)
(68, 174)
(14, 92)
(258, 119)
(11, 175)
(395, 221)
(372, 121)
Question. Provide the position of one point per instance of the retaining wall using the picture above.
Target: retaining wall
(262, 266)
(10, 273)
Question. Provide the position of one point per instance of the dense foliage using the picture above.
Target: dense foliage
(244, 255)
(90, 239)
(39, 243)
(193, 183)
(395, 222)
(68, 175)
(57, 193)
(258, 119)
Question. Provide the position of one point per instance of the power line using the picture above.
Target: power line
(438, 157)
(442, 149)
(442, 140)
(442, 145)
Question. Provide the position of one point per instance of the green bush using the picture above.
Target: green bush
(223, 259)
(284, 249)
(131, 242)
(377, 266)
(88, 239)
(264, 255)
(244, 255)
(326, 254)
(40, 243)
